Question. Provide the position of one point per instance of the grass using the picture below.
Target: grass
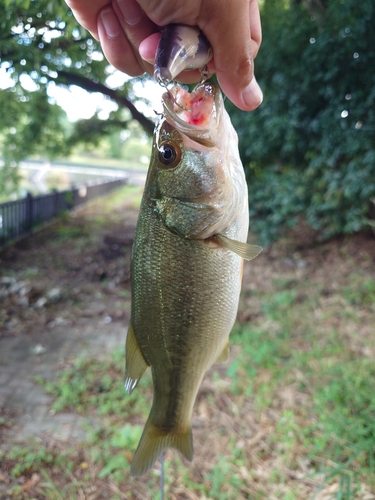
(291, 416)
(34, 457)
(332, 432)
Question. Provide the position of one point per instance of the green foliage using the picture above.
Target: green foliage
(49, 490)
(349, 410)
(41, 46)
(331, 428)
(98, 384)
(33, 458)
(31, 52)
(360, 292)
(225, 483)
(309, 150)
(124, 438)
(335, 427)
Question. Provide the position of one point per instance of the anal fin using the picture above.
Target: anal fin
(135, 362)
(224, 355)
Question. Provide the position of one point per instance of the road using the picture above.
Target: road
(43, 176)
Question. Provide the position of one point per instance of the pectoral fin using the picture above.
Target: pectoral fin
(135, 362)
(244, 250)
(224, 355)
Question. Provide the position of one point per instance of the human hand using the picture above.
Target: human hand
(129, 31)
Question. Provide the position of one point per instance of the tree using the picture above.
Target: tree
(309, 150)
(41, 45)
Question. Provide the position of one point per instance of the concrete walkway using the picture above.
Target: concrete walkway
(25, 357)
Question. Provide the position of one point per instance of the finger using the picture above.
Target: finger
(148, 46)
(233, 50)
(115, 45)
(255, 27)
(86, 12)
(164, 12)
(136, 25)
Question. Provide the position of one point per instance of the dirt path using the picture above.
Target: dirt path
(42, 355)
(64, 293)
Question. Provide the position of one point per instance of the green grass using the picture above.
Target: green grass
(34, 457)
(335, 429)
(98, 385)
(290, 417)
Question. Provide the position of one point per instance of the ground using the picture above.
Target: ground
(303, 343)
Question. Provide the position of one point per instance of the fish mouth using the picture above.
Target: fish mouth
(196, 114)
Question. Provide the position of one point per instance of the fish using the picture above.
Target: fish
(187, 263)
(180, 48)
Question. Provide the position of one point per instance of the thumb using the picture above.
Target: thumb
(227, 25)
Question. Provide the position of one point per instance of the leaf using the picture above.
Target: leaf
(35, 478)
(118, 462)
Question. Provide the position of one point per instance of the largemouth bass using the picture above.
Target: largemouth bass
(187, 263)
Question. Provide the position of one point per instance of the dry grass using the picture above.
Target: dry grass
(291, 416)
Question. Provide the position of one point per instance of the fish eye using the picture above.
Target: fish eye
(169, 154)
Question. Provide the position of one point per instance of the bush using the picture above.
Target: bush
(310, 148)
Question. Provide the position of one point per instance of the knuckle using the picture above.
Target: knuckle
(245, 68)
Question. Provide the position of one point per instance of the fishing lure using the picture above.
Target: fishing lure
(181, 48)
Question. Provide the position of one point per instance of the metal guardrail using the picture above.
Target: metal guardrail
(19, 218)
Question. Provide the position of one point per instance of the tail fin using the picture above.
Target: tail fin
(153, 442)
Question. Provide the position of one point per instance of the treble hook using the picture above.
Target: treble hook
(205, 74)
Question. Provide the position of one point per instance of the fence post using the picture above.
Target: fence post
(55, 201)
(18, 218)
(29, 212)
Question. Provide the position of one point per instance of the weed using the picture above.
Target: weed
(31, 271)
(335, 428)
(125, 438)
(68, 232)
(225, 481)
(33, 457)
(70, 491)
(300, 380)
(98, 384)
(347, 408)
(361, 291)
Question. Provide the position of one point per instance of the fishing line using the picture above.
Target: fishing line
(162, 478)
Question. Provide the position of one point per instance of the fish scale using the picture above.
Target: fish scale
(186, 270)
(197, 306)
(188, 267)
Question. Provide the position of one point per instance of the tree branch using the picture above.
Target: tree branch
(67, 78)
(85, 131)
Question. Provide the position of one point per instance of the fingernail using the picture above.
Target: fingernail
(131, 11)
(110, 23)
(144, 52)
(252, 95)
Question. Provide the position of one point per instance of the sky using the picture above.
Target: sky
(79, 104)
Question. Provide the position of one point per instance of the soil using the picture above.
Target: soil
(66, 275)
